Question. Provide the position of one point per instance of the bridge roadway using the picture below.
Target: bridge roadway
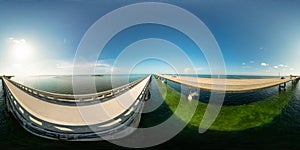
(69, 116)
(228, 85)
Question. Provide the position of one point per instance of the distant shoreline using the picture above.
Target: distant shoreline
(97, 75)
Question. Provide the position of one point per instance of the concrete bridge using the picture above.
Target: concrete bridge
(105, 115)
(228, 85)
(109, 114)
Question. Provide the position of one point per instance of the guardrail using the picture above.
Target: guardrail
(76, 98)
(114, 128)
(233, 88)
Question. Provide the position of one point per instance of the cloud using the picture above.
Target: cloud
(251, 62)
(281, 65)
(102, 65)
(276, 67)
(65, 65)
(187, 70)
(291, 69)
(264, 64)
(16, 41)
(268, 71)
(246, 67)
(192, 70)
(243, 64)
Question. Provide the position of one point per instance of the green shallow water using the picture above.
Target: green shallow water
(232, 118)
(270, 123)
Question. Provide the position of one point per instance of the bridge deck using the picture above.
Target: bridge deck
(227, 85)
(77, 115)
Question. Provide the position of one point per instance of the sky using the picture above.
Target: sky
(41, 37)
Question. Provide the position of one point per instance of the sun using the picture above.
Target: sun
(21, 49)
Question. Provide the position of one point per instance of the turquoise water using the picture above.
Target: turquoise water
(282, 133)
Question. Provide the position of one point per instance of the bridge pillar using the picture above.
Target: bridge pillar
(193, 94)
(148, 94)
(295, 80)
(2, 86)
(7, 99)
(282, 86)
(4, 76)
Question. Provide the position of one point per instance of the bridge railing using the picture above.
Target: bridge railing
(112, 128)
(196, 84)
(230, 85)
(100, 96)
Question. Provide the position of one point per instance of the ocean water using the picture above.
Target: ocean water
(63, 84)
(283, 132)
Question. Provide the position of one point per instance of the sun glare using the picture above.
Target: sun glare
(21, 57)
(21, 49)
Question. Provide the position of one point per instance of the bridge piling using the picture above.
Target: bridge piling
(2, 85)
(193, 94)
(282, 86)
(148, 94)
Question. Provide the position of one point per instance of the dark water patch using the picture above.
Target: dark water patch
(160, 114)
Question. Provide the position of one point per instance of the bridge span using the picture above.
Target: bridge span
(228, 85)
(106, 115)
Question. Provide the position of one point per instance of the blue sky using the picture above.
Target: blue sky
(255, 37)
